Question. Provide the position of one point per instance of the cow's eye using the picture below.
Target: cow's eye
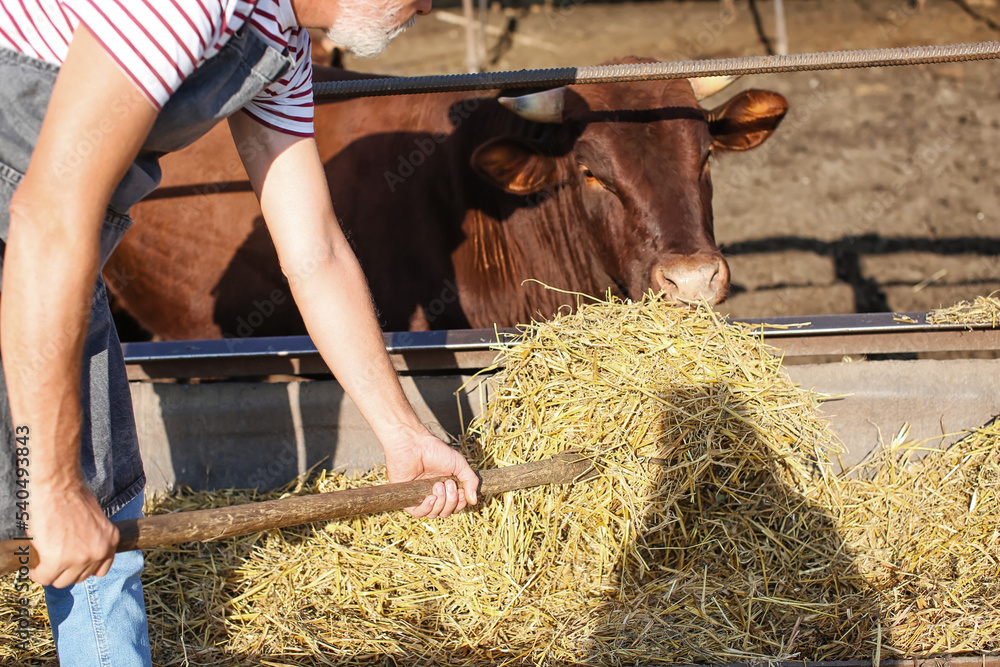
(589, 176)
(591, 179)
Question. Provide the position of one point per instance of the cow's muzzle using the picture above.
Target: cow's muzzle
(689, 278)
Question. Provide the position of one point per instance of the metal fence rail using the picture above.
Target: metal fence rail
(473, 349)
(561, 76)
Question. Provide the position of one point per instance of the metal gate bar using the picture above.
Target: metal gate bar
(430, 351)
(561, 76)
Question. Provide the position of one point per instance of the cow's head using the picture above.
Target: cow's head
(638, 172)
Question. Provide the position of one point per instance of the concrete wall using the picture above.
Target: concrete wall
(262, 434)
(243, 434)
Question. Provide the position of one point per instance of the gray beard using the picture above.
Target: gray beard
(366, 28)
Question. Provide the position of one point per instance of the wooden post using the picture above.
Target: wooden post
(471, 50)
(781, 31)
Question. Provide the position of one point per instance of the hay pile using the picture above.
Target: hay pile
(926, 536)
(714, 533)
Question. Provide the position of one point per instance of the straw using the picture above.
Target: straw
(981, 310)
(715, 531)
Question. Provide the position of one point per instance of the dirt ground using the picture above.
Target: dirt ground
(880, 191)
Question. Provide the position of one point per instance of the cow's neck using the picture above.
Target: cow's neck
(545, 244)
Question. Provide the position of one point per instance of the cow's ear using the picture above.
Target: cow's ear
(514, 166)
(747, 120)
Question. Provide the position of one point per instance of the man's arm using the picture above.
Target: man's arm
(332, 294)
(50, 267)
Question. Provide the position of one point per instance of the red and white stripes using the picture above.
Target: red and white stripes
(158, 43)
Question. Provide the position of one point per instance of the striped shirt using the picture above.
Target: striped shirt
(158, 43)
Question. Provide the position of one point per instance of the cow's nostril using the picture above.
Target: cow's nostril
(720, 282)
(688, 279)
(663, 283)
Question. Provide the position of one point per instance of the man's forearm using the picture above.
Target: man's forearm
(50, 266)
(48, 279)
(334, 301)
(348, 337)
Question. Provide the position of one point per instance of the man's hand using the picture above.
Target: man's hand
(72, 536)
(423, 456)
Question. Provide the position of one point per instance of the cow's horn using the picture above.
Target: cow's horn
(707, 86)
(543, 107)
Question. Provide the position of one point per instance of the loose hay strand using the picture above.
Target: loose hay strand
(715, 530)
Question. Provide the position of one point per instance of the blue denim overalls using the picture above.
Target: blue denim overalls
(221, 86)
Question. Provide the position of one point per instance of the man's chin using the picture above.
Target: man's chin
(364, 50)
(366, 45)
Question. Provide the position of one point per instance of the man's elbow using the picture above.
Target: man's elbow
(27, 220)
(21, 207)
(49, 219)
(306, 263)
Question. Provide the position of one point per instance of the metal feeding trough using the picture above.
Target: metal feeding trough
(240, 413)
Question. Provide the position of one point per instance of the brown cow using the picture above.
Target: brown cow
(452, 202)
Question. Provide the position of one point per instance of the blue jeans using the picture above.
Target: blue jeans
(102, 621)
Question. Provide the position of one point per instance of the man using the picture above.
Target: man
(91, 93)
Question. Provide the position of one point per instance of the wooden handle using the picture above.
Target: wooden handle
(221, 522)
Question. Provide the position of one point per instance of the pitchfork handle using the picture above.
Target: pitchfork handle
(222, 522)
